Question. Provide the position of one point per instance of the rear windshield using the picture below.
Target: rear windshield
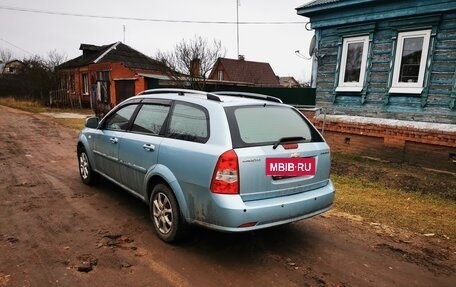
(262, 125)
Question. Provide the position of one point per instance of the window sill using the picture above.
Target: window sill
(349, 89)
(397, 90)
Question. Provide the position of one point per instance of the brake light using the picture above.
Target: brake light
(225, 179)
(290, 146)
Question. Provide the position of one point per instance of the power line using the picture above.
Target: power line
(17, 47)
(146, 19)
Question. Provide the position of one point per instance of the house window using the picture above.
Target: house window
(353, 64)
(72, 82)
(85, 84)
(103, 91)
(410, 62)
(220, 75)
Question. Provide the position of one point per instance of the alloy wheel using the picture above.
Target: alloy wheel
(163, 213)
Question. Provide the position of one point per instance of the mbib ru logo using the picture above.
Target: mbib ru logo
(290, 166)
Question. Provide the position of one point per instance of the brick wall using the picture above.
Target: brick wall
(424, 144)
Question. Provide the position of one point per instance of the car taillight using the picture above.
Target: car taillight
(226, 174)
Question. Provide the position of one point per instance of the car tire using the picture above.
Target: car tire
(168, 222)
(86, 172)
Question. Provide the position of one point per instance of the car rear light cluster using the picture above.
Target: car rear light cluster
(226, 174)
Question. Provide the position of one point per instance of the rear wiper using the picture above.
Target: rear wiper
(287, 139)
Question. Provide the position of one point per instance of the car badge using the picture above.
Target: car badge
(295, 154)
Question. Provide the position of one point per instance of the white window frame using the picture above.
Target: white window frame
(353, 86)
(220, 75)
(410, 88)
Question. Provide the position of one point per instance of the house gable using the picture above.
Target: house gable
(12, 67)
(289, 82)
(102, 74)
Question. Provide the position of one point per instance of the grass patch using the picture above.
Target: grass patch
(381, 192)
(25, 105)
(37, 107)
(76, 124)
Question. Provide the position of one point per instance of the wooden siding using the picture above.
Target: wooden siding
(437, 103)
(374, 11)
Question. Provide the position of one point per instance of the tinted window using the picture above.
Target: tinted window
(259, 125)
(150, 119)
(189, 122)
(119, 120)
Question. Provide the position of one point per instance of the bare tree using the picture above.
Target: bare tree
(191, 61)
(5, 55)
(55, 58)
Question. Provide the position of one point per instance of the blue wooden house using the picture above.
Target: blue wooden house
(385, 58)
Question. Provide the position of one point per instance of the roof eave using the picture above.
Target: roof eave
(321, 8)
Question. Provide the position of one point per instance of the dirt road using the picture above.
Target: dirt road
(55, 231)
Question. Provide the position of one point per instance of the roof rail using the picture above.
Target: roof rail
(181, 92)
(249, 95)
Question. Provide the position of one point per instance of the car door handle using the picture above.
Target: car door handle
(114, 140)
(149, 147)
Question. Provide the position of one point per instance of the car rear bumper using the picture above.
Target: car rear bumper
(229, 213)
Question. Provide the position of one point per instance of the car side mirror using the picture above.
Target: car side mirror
(92, 122)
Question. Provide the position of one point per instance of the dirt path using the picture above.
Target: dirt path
(55, 231)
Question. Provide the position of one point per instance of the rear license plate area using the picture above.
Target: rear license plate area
(280, 168)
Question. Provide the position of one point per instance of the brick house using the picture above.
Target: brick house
(244, 72)
(385, 74)
(103, 76)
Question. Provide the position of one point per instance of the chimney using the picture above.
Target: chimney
(195, 68)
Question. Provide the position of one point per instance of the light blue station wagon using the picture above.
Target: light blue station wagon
(200, 158)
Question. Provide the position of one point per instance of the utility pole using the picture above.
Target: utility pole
(124, 34)
(238, 3)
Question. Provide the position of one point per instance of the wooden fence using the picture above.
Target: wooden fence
(63, 98)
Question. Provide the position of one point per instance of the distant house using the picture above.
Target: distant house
(12, 67)
(289, 82)
(106, 75)
(385, 72)
(244, 72)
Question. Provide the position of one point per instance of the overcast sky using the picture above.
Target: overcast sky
(27, 33)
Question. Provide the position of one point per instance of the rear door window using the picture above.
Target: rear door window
(189, 122)
(262, 125)
(150, 119)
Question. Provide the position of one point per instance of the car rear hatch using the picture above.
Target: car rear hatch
(281, 134)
